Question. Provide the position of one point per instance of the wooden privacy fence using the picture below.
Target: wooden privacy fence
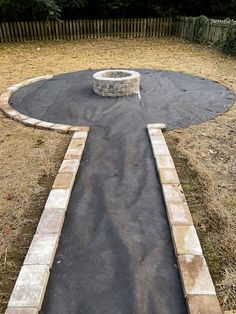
(184, 27)
(77, 29)
(211, 32)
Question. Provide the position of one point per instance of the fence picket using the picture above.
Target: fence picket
(1, 34)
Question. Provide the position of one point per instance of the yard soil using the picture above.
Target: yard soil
(205, 154)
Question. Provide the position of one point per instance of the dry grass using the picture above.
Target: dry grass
(204, 154)
(28, 161)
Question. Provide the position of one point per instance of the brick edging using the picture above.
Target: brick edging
(9, 111)
(196, 280)
(28, 293)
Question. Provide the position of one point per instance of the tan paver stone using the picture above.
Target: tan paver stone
(154, 132)
(4, 107)
(164, 162)
(63, 128)
(14, 88)
(4, 103)
(158, 140)
(30, 121)
(58, 199)
(51, 221)
(79, 128)
(73, 154)
(160, 149)
(80, 135)
(39, 78)
(18, 310)
(64, 180)
(186, 240)
(69, 166)
(179, 214)
(20, 117)
(168, 176)
(204, 304)
(76, 143)
(42, 250)
(6, 95)
(173, 193)
(195, 275)
(44, 125)
(11, 113)
(157, 125)
(30, 287)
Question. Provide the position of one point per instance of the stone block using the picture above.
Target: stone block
(186, 240)
(203, 304)
(195, 275)
(77, 143)
(164, 161)
(14, 88)
(4, 103)
(6, 95)
(80, 129)
(58, 199)
(64, 180)
(179, 214)
(38, 78)
(154, 132)
(173, 193)
(30, 121)
(69, 166)
(18, 310)
(30, 287)
(44, 125)
(158, 140)
(11, 113)
(63, 128)
(168, 176)
(20, 117)
(73, 154)
(51, 221)
(157, 126)
(160, 149)
(42, 250)
(77, 135)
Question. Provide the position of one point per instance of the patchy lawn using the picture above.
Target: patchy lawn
(205, 154)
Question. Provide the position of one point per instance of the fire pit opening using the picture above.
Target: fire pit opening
(116, 74)
(114, 83)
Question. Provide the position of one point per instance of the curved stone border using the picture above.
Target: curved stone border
(28, 293)
(10, 112)
(196, 280)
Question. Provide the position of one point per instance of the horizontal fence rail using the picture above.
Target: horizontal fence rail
(77, 29)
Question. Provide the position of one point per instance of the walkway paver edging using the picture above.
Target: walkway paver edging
(196, 280)
(10, 112)
(28, 293)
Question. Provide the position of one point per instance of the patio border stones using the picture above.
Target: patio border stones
(28, 293)
(21, 310)
(196, 280)
(10, 112)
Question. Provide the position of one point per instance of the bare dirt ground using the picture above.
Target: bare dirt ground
(205, 154)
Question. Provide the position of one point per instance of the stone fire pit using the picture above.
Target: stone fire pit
(113, 83)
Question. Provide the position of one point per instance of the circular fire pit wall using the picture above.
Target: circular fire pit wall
(113, 83)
